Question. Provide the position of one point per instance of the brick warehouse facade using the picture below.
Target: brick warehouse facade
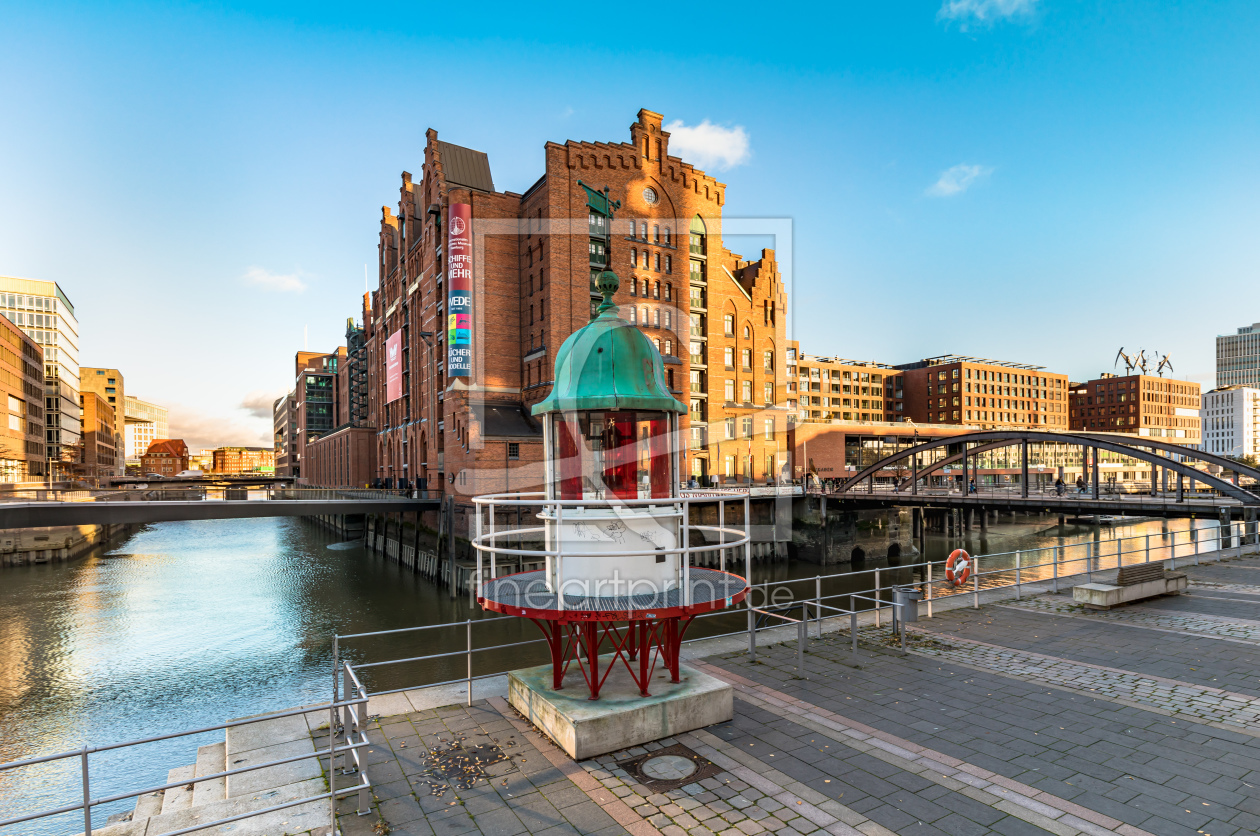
(533, 258)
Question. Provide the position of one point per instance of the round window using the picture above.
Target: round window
(649, 195)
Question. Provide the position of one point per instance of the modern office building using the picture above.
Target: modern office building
(1238, 358)
(145, 423)
(284, 427)
(988, 394)
(98, 460)
(42, 310)
(1231, 422)
(315, 404)
(1158, 407)
(22, 439)
(109, 385)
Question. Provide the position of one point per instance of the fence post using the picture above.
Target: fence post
(1148, 549)
(87, 792)
(853, 629)
(1089, 560)
(818, 603)
(1195, 536)
(468, 627)
(1018, 595)
(879, 600)
(752, 629)
(801, 627)
(929, 589)
(332, 770)
(975, 576)
(336, 666)
(1058, 554)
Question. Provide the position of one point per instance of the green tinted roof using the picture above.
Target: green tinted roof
(609, 364)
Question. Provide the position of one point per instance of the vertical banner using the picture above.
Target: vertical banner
(393, 367)
(459, 275)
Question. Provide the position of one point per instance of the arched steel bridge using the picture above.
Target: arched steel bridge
(1174, 458)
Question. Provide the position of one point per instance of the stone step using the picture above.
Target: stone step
(301, 819)
(210, 759)
(149, 804)
(181, 797)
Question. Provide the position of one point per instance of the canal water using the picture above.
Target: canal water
(190, 624)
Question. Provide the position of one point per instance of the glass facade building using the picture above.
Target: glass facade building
(1238, 358)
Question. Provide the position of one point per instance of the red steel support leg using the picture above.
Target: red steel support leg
(644, 657)
(592, 655)
(674, 649)
(632, 645)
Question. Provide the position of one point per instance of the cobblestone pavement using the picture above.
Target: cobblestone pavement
(1181, 656)
(1243, 588)
(1185, 618)
(1163, 773)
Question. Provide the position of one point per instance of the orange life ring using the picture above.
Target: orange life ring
(958, 567)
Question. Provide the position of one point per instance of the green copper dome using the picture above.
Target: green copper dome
(609, 364)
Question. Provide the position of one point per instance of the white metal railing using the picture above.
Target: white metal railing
(489, 542)
(351, 744)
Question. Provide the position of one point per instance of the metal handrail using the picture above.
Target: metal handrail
(87, 802)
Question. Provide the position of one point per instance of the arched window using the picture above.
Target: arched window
(643, 230)
(656, 262)
(645, 259)
(645, 288)
(657, 342)
(669, 291)
(634, 257)
(747, 332)
(669, 264)
(656, 234)
(656, 290)
(669, 319)
(634, 315)
(656, 317)
(667, 235)
(669, 348)
(728, 325)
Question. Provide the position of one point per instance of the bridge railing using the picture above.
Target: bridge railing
(1118, 491)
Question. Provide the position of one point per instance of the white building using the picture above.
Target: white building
(1238, 358)
(44, 313)
(1231, 421)
(146, 422)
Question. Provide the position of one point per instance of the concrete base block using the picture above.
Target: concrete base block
(620, 718)
(1104, 596)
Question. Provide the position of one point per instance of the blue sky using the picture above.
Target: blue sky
(1034, 181)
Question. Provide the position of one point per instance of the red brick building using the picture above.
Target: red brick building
(533, 258)
(984, 393)
(22, 439)
(165, 457)
(1139, 404)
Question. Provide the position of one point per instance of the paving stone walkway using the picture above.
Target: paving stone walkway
(1165, 618)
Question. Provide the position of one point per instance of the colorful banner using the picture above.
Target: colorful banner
(393, 367)
(459, 281)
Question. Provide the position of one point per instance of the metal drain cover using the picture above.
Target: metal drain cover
(669, 768)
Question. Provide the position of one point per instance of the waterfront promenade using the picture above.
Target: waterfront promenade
(1021, 717)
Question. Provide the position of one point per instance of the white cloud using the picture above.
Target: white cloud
(204, 432)
(709, 146)
(957, 180)
(259, 403)
(282, 282)
(984, 11)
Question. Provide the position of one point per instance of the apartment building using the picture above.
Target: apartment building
(988, 394)
(284, 427)
(22, 439)
(1230, 420)
(165, 457)
(1138, 404)
(109, 385)
(44, 313)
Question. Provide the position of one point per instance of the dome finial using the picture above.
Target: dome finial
(607, 284)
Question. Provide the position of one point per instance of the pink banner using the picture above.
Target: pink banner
(393, 367)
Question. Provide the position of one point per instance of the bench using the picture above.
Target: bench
(1133, 583)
